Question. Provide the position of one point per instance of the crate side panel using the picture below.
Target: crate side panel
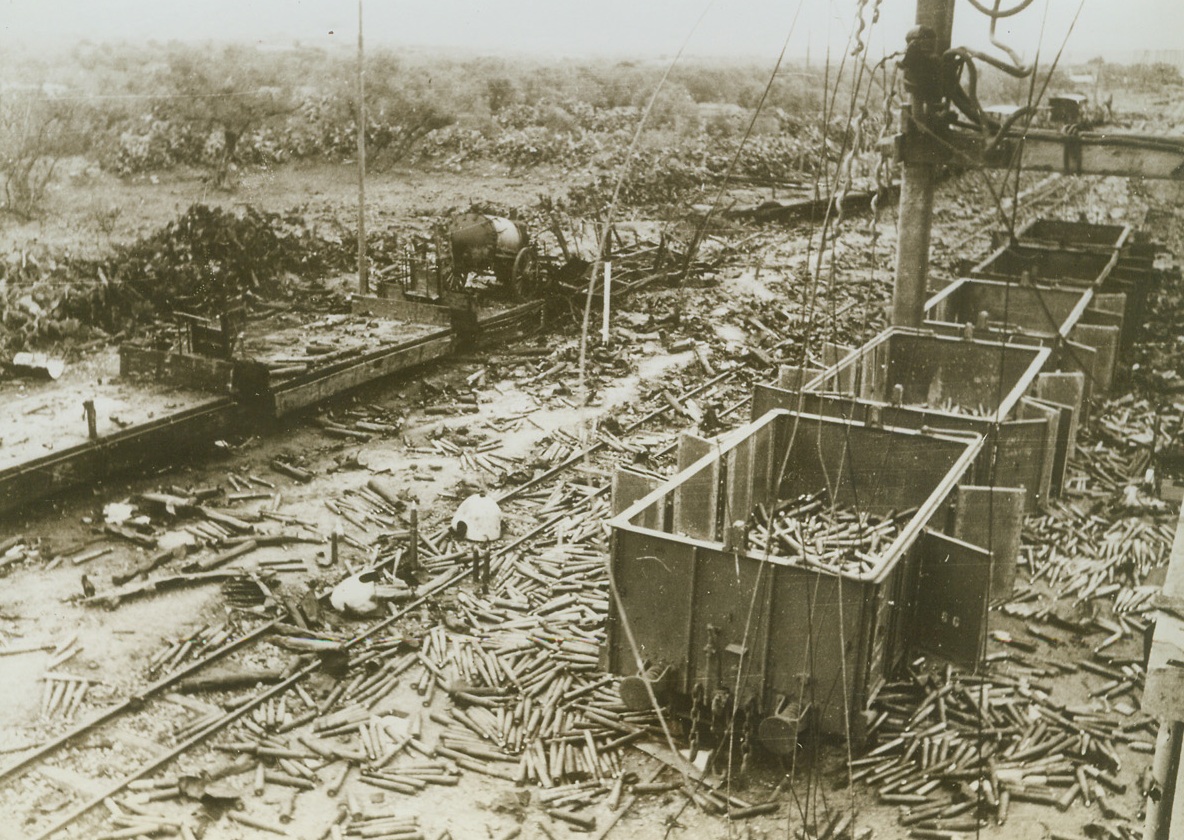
(807, 642)
(655, 577)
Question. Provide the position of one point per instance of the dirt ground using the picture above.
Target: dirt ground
(38, 604)
(89, 210)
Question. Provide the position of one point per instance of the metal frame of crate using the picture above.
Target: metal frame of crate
(1027, 436)
(709, 615)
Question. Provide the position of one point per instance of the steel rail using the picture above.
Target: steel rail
(135, 701)
(236, 714)
(231, 717)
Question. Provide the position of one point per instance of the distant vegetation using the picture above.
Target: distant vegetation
(149, 108)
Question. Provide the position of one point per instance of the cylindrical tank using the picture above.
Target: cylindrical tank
(478, 240)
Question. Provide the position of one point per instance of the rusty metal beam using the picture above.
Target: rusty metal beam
(1086, 153)
(135, 701)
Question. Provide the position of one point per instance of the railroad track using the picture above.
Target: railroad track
(157, 715)
(523, 640)
(1041, 195)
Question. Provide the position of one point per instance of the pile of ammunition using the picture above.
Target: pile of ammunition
(813, 532)
(955, 750)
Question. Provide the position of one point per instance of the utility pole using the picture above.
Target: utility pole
(363, 265)
(922, 156)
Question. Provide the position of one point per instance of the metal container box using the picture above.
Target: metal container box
(1108, 271)
(1132, 275)
(939, 377)
(1042, 311)
(1055, 316)
(1062, 233)
(1039, 263)
(760, 633)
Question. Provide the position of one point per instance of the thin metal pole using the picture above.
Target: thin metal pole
(917, 190)
(363, 264)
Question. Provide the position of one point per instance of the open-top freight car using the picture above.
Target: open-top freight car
(1132, 273)
(1038, 262)
(1055, 316)
(730, 617)
(1110, 271)
(1064, 233)
(1000, 307)
(917, 379)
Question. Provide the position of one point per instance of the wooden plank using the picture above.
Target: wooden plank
(950, 602)
(738, 501)
(1027, 452)
(185, 370)
(1110, 309)
(1105, 341)
(763, 469)
(1072, 357)
(794, 377)
(696, 503)
(832, 354)
(311, 389)
(629, 487)
(401, 309)
(1068, 390)
(166, 440)
(691, 448)
(651, 570)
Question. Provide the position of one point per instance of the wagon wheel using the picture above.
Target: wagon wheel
(524, 278)
(450, 278)
(453, 280)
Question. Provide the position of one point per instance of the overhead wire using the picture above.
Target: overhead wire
(1010, 221)
(841, 186)
(756, 587)
(599, 256)
(606, 233)
(812, 296)
(999, 383)
(1014, 164)
(816, 280)
(701, 228)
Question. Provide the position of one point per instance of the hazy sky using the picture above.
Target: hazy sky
(644, 28)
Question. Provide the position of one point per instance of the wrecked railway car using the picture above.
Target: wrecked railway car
(736, 605)
(792, 641)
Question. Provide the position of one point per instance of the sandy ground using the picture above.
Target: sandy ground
(37, 603)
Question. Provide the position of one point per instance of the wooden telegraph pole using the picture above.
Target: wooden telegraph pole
(363, 264)
(921, 157)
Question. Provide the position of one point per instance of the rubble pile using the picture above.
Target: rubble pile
(203, 261)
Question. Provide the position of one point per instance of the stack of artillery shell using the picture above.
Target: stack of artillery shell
(811, 532)
(63, 695)
(955, 752)
(949, 406)
(206, 638)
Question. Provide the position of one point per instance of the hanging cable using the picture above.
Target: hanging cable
(603, 244)
(701, 228)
